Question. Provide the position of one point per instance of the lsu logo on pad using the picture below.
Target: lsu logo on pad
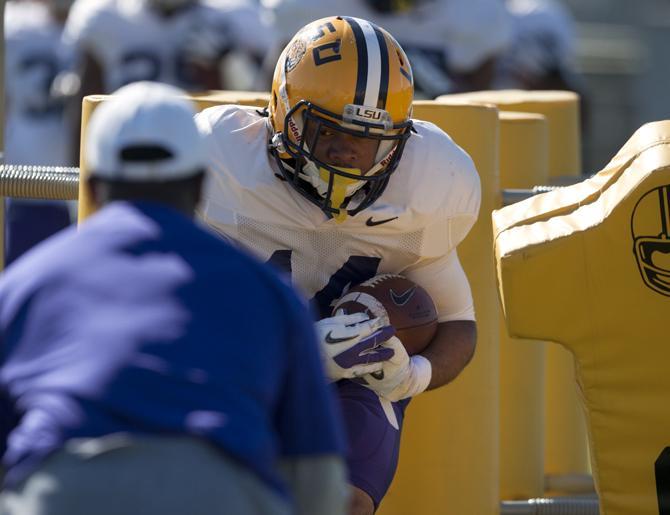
(650, 227)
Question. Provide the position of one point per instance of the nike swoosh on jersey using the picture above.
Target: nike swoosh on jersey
(402, 298)
(331, 339)
(371, 223)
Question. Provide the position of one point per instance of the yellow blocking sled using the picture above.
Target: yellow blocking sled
(561, 108)
(244, 98)
(449, 450)
(589, 267)
(565, 452)
(524, 140)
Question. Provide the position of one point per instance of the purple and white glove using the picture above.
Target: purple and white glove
(351, 345)
(401, 376)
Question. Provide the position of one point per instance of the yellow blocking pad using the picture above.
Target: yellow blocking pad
(2, 92)
(566, 450)
(2, 142)
(561, 108)
(86, 205)
(203, 101)
(245, 98)
(2, 236)
(592, 272)
(524, 141)
(449, 451)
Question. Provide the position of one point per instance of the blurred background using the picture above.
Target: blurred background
(622, 56)
(612, 52)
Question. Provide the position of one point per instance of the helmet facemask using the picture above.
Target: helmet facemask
(337, 190)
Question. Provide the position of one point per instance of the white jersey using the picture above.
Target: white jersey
(439, 36)
(35, 129)
(133, 42)
(429, 205)
(544, 40)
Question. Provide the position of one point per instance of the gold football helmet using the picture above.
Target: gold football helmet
(340, 74)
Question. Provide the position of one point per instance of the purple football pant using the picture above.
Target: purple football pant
(373, 443)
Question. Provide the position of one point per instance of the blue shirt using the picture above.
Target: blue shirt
(142, 322)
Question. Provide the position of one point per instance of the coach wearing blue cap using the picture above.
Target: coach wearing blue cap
(147, 367)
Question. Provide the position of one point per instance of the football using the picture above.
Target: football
(409, 308)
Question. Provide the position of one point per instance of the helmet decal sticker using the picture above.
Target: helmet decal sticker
(650, 228)
(295, 54)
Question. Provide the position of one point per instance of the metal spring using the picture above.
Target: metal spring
(39, 182)
(62, 183)
(551, 506)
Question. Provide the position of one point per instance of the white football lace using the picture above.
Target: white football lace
(380, 278)
(374, 306)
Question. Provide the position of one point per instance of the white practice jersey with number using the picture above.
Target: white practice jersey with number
(133, 42)
(467, 31)
(430, 204)
(35, 132)
(544, 41)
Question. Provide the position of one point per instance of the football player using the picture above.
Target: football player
(542, 52)
(178, 42)
(34, 55)
(453, 44)
(35, 127)
(336, 183)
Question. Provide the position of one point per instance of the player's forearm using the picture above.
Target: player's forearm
(450, 351)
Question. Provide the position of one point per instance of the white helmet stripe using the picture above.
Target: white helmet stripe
(374, 64)
(371, 64)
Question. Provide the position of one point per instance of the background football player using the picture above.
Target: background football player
(542, 54)
(453, 44)
(178, 42)
(335, 184)
(35, 127)
(543, 50)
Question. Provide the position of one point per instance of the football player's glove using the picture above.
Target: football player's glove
(401, 376)
(351, 345)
